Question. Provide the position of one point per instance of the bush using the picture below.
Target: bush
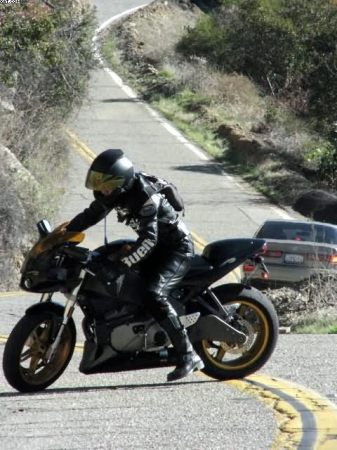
(46, 54)
(325, 157)
(45, 57)
(288, 48)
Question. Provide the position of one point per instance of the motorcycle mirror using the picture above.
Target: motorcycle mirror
(43, 227)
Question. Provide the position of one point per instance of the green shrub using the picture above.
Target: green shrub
(325, 157)
(288, 48)
(45, 56)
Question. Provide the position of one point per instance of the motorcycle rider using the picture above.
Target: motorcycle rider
(163, 241)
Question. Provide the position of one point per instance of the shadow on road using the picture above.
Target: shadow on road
(122, 100)
(209, 168)
(125, 387)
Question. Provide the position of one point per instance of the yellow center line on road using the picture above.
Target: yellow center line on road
(11, 294)
(317, 414)
(284, 412)
(305, 419)
(80, 146)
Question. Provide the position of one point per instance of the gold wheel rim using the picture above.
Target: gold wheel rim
(33, 367)
(217, 360)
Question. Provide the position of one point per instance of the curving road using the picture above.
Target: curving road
(138, 409)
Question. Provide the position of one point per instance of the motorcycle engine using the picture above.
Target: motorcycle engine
(139, 336)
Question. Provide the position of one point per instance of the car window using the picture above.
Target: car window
(271, 231)
(298, 232)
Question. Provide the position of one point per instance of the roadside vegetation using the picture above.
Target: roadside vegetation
(253, 82)
(323, 326)
(45, 58)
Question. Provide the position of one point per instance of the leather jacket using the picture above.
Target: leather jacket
(149, 214)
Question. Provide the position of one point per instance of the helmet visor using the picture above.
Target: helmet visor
(98, 181)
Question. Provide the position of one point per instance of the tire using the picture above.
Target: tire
(254, 315)
(23, 362)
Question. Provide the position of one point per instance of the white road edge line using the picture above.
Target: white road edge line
(281, 213)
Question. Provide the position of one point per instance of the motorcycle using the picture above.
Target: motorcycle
(233, 327)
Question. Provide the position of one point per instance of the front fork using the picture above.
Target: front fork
(68, 312)
(46, 297)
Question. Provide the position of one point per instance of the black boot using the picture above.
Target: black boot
(188, 360)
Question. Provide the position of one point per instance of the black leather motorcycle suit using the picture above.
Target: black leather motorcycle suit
(163, 243)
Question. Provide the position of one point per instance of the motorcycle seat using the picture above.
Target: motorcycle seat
(198, 265)
(217, 252)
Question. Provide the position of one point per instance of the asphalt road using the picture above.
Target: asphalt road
(138, 409)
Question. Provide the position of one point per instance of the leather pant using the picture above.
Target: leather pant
(165, 268)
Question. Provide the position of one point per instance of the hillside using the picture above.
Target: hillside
(45, 59)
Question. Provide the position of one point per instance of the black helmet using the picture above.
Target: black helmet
(110, 170)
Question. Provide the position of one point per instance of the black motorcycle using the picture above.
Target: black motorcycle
(233, 327)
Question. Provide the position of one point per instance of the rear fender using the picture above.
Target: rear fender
(227, 291)
(222, 293)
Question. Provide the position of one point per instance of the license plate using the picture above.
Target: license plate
(290, 258)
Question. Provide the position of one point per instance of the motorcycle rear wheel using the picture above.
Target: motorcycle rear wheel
(24, 363)
(256, 317)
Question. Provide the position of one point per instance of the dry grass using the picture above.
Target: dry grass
(29, 183)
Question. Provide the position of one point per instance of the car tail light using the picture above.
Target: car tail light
(273, 253)
(332, 259)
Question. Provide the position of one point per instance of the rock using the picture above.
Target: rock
(19, 194)
(21, 180)
(245, 147)
(317, 205)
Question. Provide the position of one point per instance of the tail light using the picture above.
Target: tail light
(273, 253)
(332, 259)
(265, 275)
(248, 267)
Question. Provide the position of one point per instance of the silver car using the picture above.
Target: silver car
(296, 250)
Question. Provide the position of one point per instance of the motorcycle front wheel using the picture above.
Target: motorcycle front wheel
(24, 362)
(253, 314)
